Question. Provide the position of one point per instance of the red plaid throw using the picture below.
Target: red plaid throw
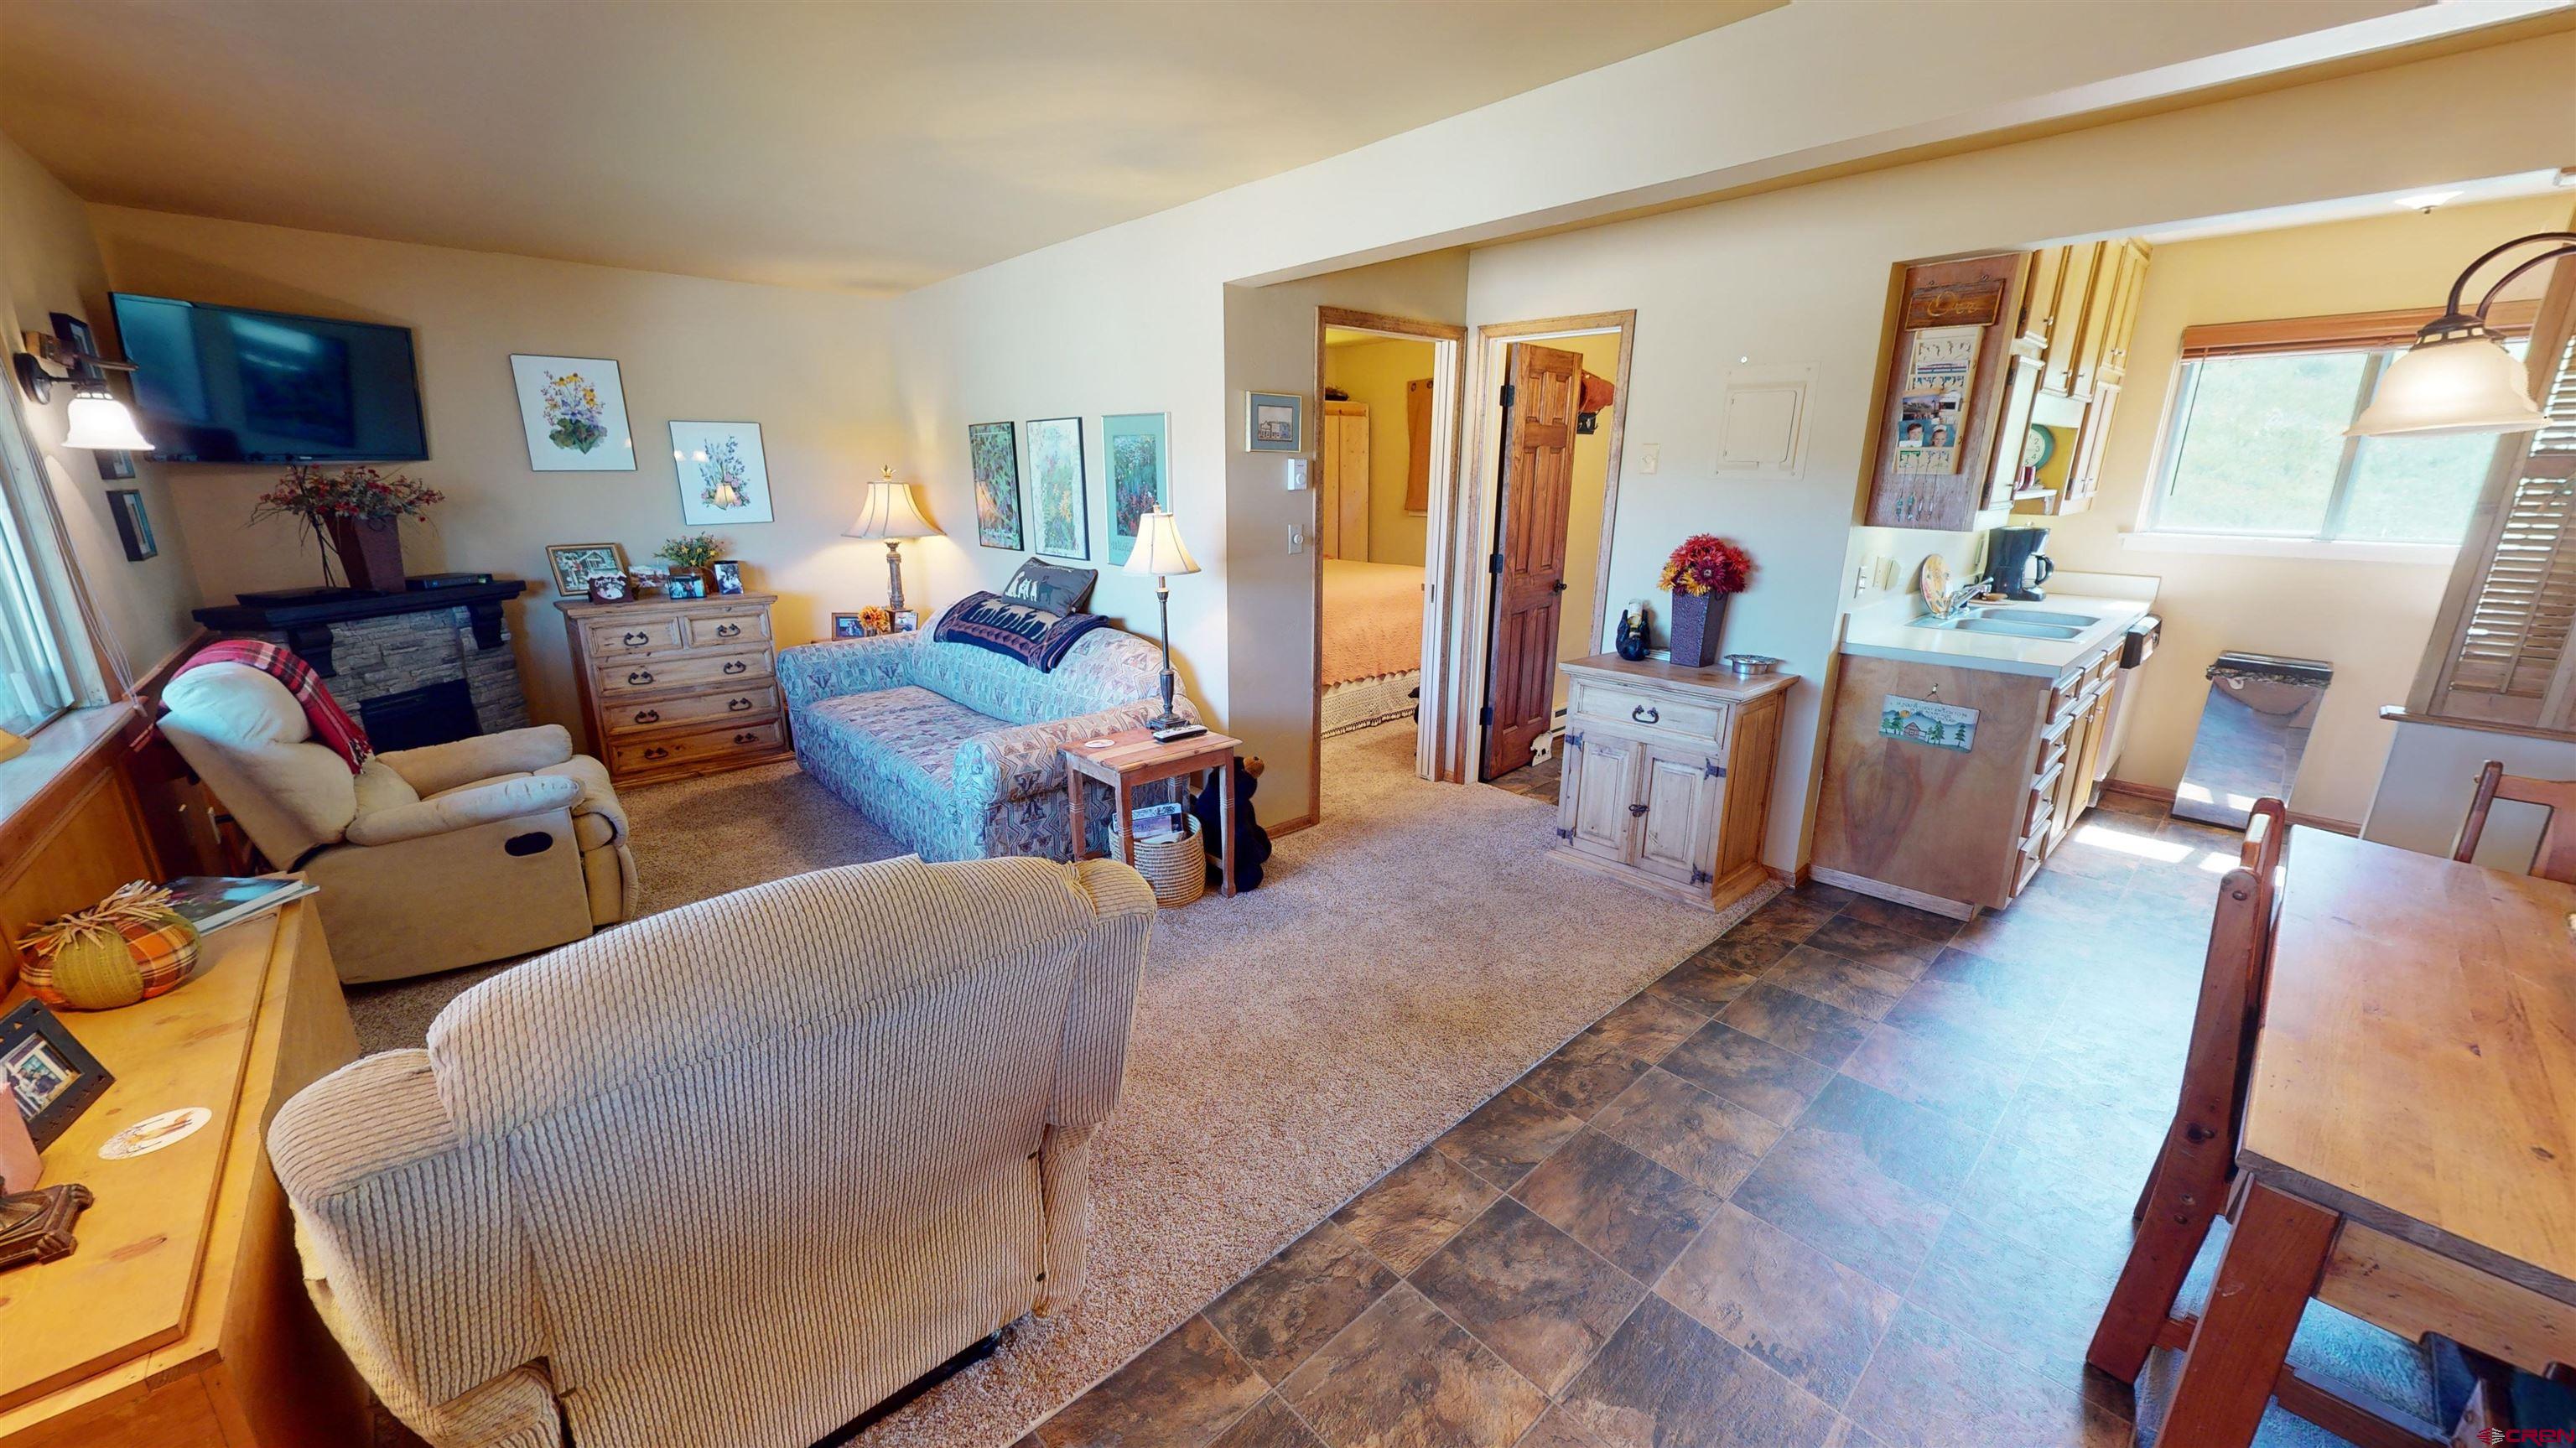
(331, 723)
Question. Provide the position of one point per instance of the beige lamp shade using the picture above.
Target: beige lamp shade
(1159, 549)
(889, 512)
(2433, 389)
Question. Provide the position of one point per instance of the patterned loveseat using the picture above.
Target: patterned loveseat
(954, 749)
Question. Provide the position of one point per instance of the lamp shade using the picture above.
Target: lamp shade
(2434, 388)
(98, 420)
(1159, 549)
(889, 512)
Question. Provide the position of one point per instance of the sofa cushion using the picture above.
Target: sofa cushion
(909, 723)
(1037, 637)
(1055, 587)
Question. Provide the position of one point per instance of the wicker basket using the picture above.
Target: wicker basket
(1175, 866)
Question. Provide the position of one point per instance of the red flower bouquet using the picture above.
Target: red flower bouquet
(1700, 575)
(353, 515)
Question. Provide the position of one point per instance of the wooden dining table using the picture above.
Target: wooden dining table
(2409, 1144)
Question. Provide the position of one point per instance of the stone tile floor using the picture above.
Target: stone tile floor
(1853, 1175)
(1537, 781)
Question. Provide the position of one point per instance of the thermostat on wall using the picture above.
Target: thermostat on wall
(1300, 474)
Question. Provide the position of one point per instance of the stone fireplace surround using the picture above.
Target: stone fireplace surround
(372, 646)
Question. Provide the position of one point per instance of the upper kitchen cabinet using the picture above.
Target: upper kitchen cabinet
(2085, 334)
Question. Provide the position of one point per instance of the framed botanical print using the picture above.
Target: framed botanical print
(576, 564)
(1059, 495)
(993, 450)
(574, 411)
(133, 525)
(1135, 444)
(724, 476)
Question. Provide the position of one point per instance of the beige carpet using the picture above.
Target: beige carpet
(1404, 960)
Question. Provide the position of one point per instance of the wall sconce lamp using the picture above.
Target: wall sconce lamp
(96, 418)
(2457, 378)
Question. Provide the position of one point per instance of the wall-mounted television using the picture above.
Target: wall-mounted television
(233, 385)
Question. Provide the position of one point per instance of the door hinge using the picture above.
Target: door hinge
(1509, 392)
(1485, 715)
(1713, 770)
(1574, 741)
(1494, 564)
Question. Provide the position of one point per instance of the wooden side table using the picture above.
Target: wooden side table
(1133, 757)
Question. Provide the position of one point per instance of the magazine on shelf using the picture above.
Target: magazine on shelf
(211, 902)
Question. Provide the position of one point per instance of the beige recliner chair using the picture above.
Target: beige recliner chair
(734, 1173)
(428, 859)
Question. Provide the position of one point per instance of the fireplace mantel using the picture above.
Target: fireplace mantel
(305, 621)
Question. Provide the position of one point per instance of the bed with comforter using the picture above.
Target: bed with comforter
(1371, 643)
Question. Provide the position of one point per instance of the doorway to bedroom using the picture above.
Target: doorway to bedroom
(1385, 449)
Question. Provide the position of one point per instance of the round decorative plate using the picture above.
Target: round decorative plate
(1936, 583)
(2038, 447)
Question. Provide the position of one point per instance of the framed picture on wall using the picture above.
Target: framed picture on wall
(574, 410)
(133, 525)
(113, 466)
(993, 451)
(1135, 444)
(1059, 493)
(1274, 422)
(724, 475)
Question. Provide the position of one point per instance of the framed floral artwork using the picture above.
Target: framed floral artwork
(993, 453)
(724, 476)
(1134, 445)
(1058, 493)
(574, 410)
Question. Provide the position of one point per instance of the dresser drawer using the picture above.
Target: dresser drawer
(716, 630)
(609, 639)
(634, 676)
(641, 756)
(744, 703)
(1639, 709)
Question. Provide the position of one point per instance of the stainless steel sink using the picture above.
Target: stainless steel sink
(2041, 615)
(1989, 624)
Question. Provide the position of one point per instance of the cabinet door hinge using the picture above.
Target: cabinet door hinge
(1701, 877)
(1509, 392)
(1713, 770)
(1574, 741)
(1565, 834)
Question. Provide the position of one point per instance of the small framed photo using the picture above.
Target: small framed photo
(133, 525)
(576, 564)
(907, 621)
(113, 466)
(848, 626)
(1274, 422)
(611, 588)
(51, 1079)
(685, 585)
(728, 575)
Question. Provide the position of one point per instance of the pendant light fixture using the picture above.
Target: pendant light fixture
(2457, 377)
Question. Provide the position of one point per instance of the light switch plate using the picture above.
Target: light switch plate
(1650, 457)
(1296, 538)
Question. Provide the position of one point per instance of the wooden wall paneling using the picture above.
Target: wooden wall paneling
(81, 836)
(1946, 501)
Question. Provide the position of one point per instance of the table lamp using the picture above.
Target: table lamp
(1159, 551)
(888, 512)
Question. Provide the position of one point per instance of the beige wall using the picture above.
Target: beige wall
(809, 367)
(50, 263)
(1377, 374)
(2369, 619)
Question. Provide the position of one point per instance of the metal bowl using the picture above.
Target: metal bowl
(1748, 666)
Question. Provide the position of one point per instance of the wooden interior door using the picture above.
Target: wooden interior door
(1342, 516)
(1539, 394)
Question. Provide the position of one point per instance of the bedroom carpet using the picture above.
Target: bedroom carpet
(1404, 960)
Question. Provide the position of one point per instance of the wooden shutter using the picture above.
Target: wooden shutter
(2500, 646)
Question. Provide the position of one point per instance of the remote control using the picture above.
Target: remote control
(1180, 731)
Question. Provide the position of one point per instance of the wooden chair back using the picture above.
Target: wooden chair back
(2556, 858)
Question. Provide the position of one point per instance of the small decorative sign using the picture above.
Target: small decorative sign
(1944, 725)
(1977, 303)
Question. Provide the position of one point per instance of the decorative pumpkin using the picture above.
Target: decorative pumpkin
(127, 948)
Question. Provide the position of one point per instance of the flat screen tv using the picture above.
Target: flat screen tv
(233, 385)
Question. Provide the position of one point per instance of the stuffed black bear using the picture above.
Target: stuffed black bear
(1251, 841)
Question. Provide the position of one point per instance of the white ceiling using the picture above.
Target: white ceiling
(867, 147)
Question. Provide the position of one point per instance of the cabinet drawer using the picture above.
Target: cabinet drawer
(1637, 708)
(747, 703)
(634, 676)
(610, 639)
(714, 630)
(638, 756)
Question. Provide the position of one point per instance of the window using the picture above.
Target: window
(2257, 449)
(34, 683)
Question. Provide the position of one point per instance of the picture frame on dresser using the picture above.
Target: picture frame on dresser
(51, 1077)
(575, 564)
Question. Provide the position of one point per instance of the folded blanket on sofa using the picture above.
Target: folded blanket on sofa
(1015, 628)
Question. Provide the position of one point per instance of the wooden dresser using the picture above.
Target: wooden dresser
(182, 1318)
(678, 686)
(1667, 775)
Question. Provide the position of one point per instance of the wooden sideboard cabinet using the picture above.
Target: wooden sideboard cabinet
(1667, 776)
(678, 686)
(182, 1317)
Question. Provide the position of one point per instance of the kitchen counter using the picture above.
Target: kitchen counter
(1888, 632)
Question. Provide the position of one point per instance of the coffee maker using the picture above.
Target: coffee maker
(2015, 567)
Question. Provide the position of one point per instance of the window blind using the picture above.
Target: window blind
(2349, 332)
(2512, 643)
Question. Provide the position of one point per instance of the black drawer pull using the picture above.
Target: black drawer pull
(727, 630)
(633, 637)
(736, 706)
(639, 676)
(648, 716)
(657, 752)
(1645, 714)
(1636, 809)
(737, 667)
(745, 737)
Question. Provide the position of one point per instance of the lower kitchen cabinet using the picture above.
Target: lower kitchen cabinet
(1666, 782)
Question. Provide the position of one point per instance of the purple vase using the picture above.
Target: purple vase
(1696, 619)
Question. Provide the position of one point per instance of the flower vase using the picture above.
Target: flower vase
(1696, 620)
(370, 552)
